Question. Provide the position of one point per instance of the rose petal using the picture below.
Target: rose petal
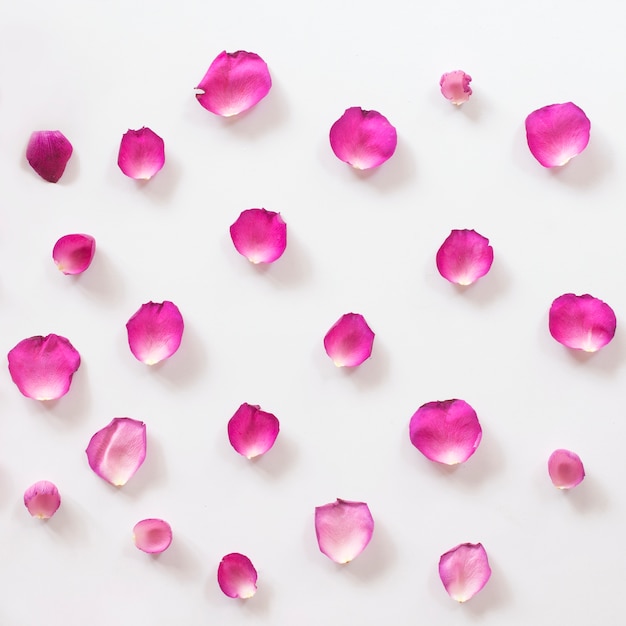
(455, 86)
(582, 322)
(349, 341)
(343, 529)
(73, 253)
(556, 133)
(42, 499)
(566, 469)
(152, 535)
(48, 152)
(142, 154)
(446, 432)
(464, 570)
(364, 139)
(259, 235)
(464, 257)
(234, 83)
(236, 576)
(117, 451)
(42, 367)
(155, 331)
(251, 431)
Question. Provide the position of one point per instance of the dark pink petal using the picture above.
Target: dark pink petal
(343, 529)
(251, 431)
(349, 341)
(142, 154)
(117, 451)
(446, 432)
(236, 576)
(259, 235)
(42, 499)
(582, 322)
(455, 86)
(152, 535)
(556, 133)
(48, 152)
(155, 331)
(464, 570)
(566, 469)
(364, 139)
(464, 257)
(73, 253)
(234, 83)
(42, 367)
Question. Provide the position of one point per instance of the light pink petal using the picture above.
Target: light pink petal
(152, 535)
(364, 139)
(251, 431)
(556, 133)
(455, 86)
(447, 432)
(42, 499)
(464, 570)
(142, 154)
(73, 253)
(117, 451)
(236, 576)
(464, 257)
(234, 83)
(343, 529)
(48, 152)
(259, 235)
(42, 367)
(349, 341)
(155, 331)
(566, 469)
(582, 322)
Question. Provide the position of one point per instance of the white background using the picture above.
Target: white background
(356, 242)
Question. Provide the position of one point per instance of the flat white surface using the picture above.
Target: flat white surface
(356, 242)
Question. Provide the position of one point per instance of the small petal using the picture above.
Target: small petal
(447, 432)
(349, 341)
(464, 570)
(259, 235)
(566, 469)
(455, 86)
(117, 451)
(42, 499)
(464, 257)
(42, 367)
(48, 152)
(234, 83)
(142, 154)
(556, 133)
(582, 322)
(152, 535)
(236, 576)
(364, 139)
(251, 431)
(73, 253)
(155, 331)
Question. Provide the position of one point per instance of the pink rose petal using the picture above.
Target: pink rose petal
(142, 154)
(42, 367)
(117, 451)
(343, 529)
(251, 431)
(582, 322)
(447, 432)
(42, 499)
(464, 257)
(48, 152)
(73, 253)
(234, 83)
(455, 86)
(464, 570)
(259, 235)
(349, 341)
(566, 469)
(556, 133)
(152, 535)
(364, 139)
(155, 331)
(236, 576)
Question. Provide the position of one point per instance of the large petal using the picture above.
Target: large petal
(48, 152)
(252, 431)
(42, 499)
(73, 253)
(236, 576)
(349, 341)
(464, 570)
(259, 235)
(142, 154)
(566, 469)
(464, 257)
(455, 86)
(152, 535)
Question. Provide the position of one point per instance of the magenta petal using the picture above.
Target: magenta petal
(152, 535)
(142, 154)
(117, 451)
(556, 133)
(464, 570)
(455, 86)
(155, 331)
(566, 469)
(48, 152)
(73, 253)
(234, 83)
(464, 257)
(349, 341)
(251, 431)
(582, 322)
(42, 499)
(42, 367)
(364, 139)
(236, 576)
(259, 235)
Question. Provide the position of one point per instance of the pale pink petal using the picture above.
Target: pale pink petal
(455, 86)
(364, 139)
(349, 341)
(236, 576)
(556, 133)
(42, 367)
(155, 331)
(464, 257)
(142, 154)
(73, 253)
(152, 535)
(343, 529)
(48, 152)
(117, 451)
(566, 469)
(447, 432)
(251, 431)
(582, 322)
(234, 83)
(42, 499)
(259, 235)
(464, 570)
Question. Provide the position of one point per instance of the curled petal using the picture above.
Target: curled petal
(349, 341)
(142, 154)
(464, 257)
(566, 469)
(464, 570)
(343, 529)
(556, 133)
(42, 367)
(236, 576)
(364, 139)
(259, 235)
(234, 83)
(117, 451)
(48, 152)
(42, 499)
(455, 86)
(582, 322)
(152, 535)
(73, 253)
(251, 431)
